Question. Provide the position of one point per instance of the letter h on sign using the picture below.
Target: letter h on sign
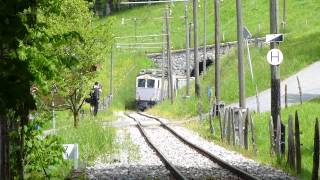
(275, 56)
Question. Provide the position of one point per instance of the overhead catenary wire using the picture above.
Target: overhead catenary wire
(153, 18)
(152, 2)
(141, 36)
(134, 44)
(138, 47)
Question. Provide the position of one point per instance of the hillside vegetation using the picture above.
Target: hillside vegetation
(300, 48)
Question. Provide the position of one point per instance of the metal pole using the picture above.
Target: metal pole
(135, 29)
(275, 70)
(163, 59)
(169, 55)
(195, 41)
(111, 72)
(53, 113)
(242, 102)
(284, 16)
(217, 50)
(205, 37)
(187, 48)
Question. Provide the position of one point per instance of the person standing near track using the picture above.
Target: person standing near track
(96, 90)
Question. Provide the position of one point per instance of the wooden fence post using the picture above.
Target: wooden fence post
(225, 121)
(272, 139)
(291, 148)
(233, 128)
(245, 133)
(229, 126)
(240, 127)
(220, 123)
(211, 117)
(253, 135)
(316, 152)
(286, 96)
(300, 90)
(297, 143)
(278, 137)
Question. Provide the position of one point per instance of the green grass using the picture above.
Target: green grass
(300, 47)
(92, 138)
(308, 112)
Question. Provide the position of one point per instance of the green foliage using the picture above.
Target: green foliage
(41, 152)
(92, 138)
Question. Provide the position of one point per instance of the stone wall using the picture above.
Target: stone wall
(179, 56)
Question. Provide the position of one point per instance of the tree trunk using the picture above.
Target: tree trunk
(76, 119)
(4, 149)
(20, 153)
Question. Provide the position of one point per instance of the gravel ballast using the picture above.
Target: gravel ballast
(136, 160)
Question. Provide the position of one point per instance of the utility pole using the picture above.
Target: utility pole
(169, 56)
(275, 70)
(187, 48)
(163, 59)
(217, 50)
(284, 16)
(195, 42)
(242, 102)
(205, 37)
(111, 72)
(135, 29)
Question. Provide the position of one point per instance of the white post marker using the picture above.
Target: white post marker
(71, 152)
(275, 57)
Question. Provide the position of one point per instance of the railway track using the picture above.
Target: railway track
(174, 170)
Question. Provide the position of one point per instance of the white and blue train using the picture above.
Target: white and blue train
(152, 88)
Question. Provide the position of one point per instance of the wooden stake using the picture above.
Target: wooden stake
(297, 143)
(278, 137)
(233, 128)
(300, 90)
(245, 133)
(229, 126)
(253, 135)
(286, 96)
(315, 170)
(271, 132)
(291, 148)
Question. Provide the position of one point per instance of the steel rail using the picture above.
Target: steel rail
(174, 171)
(222, 163)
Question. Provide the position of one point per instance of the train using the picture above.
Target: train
(152, 87)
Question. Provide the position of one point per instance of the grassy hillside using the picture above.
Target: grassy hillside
(300, 48)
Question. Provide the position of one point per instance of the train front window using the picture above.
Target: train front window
(150, 83)
(141, 83)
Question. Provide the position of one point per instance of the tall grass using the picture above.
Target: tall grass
(308, 112)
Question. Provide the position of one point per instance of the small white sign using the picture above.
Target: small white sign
(275, 57)
(68, 148)
(71, 152)
(274, 38)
